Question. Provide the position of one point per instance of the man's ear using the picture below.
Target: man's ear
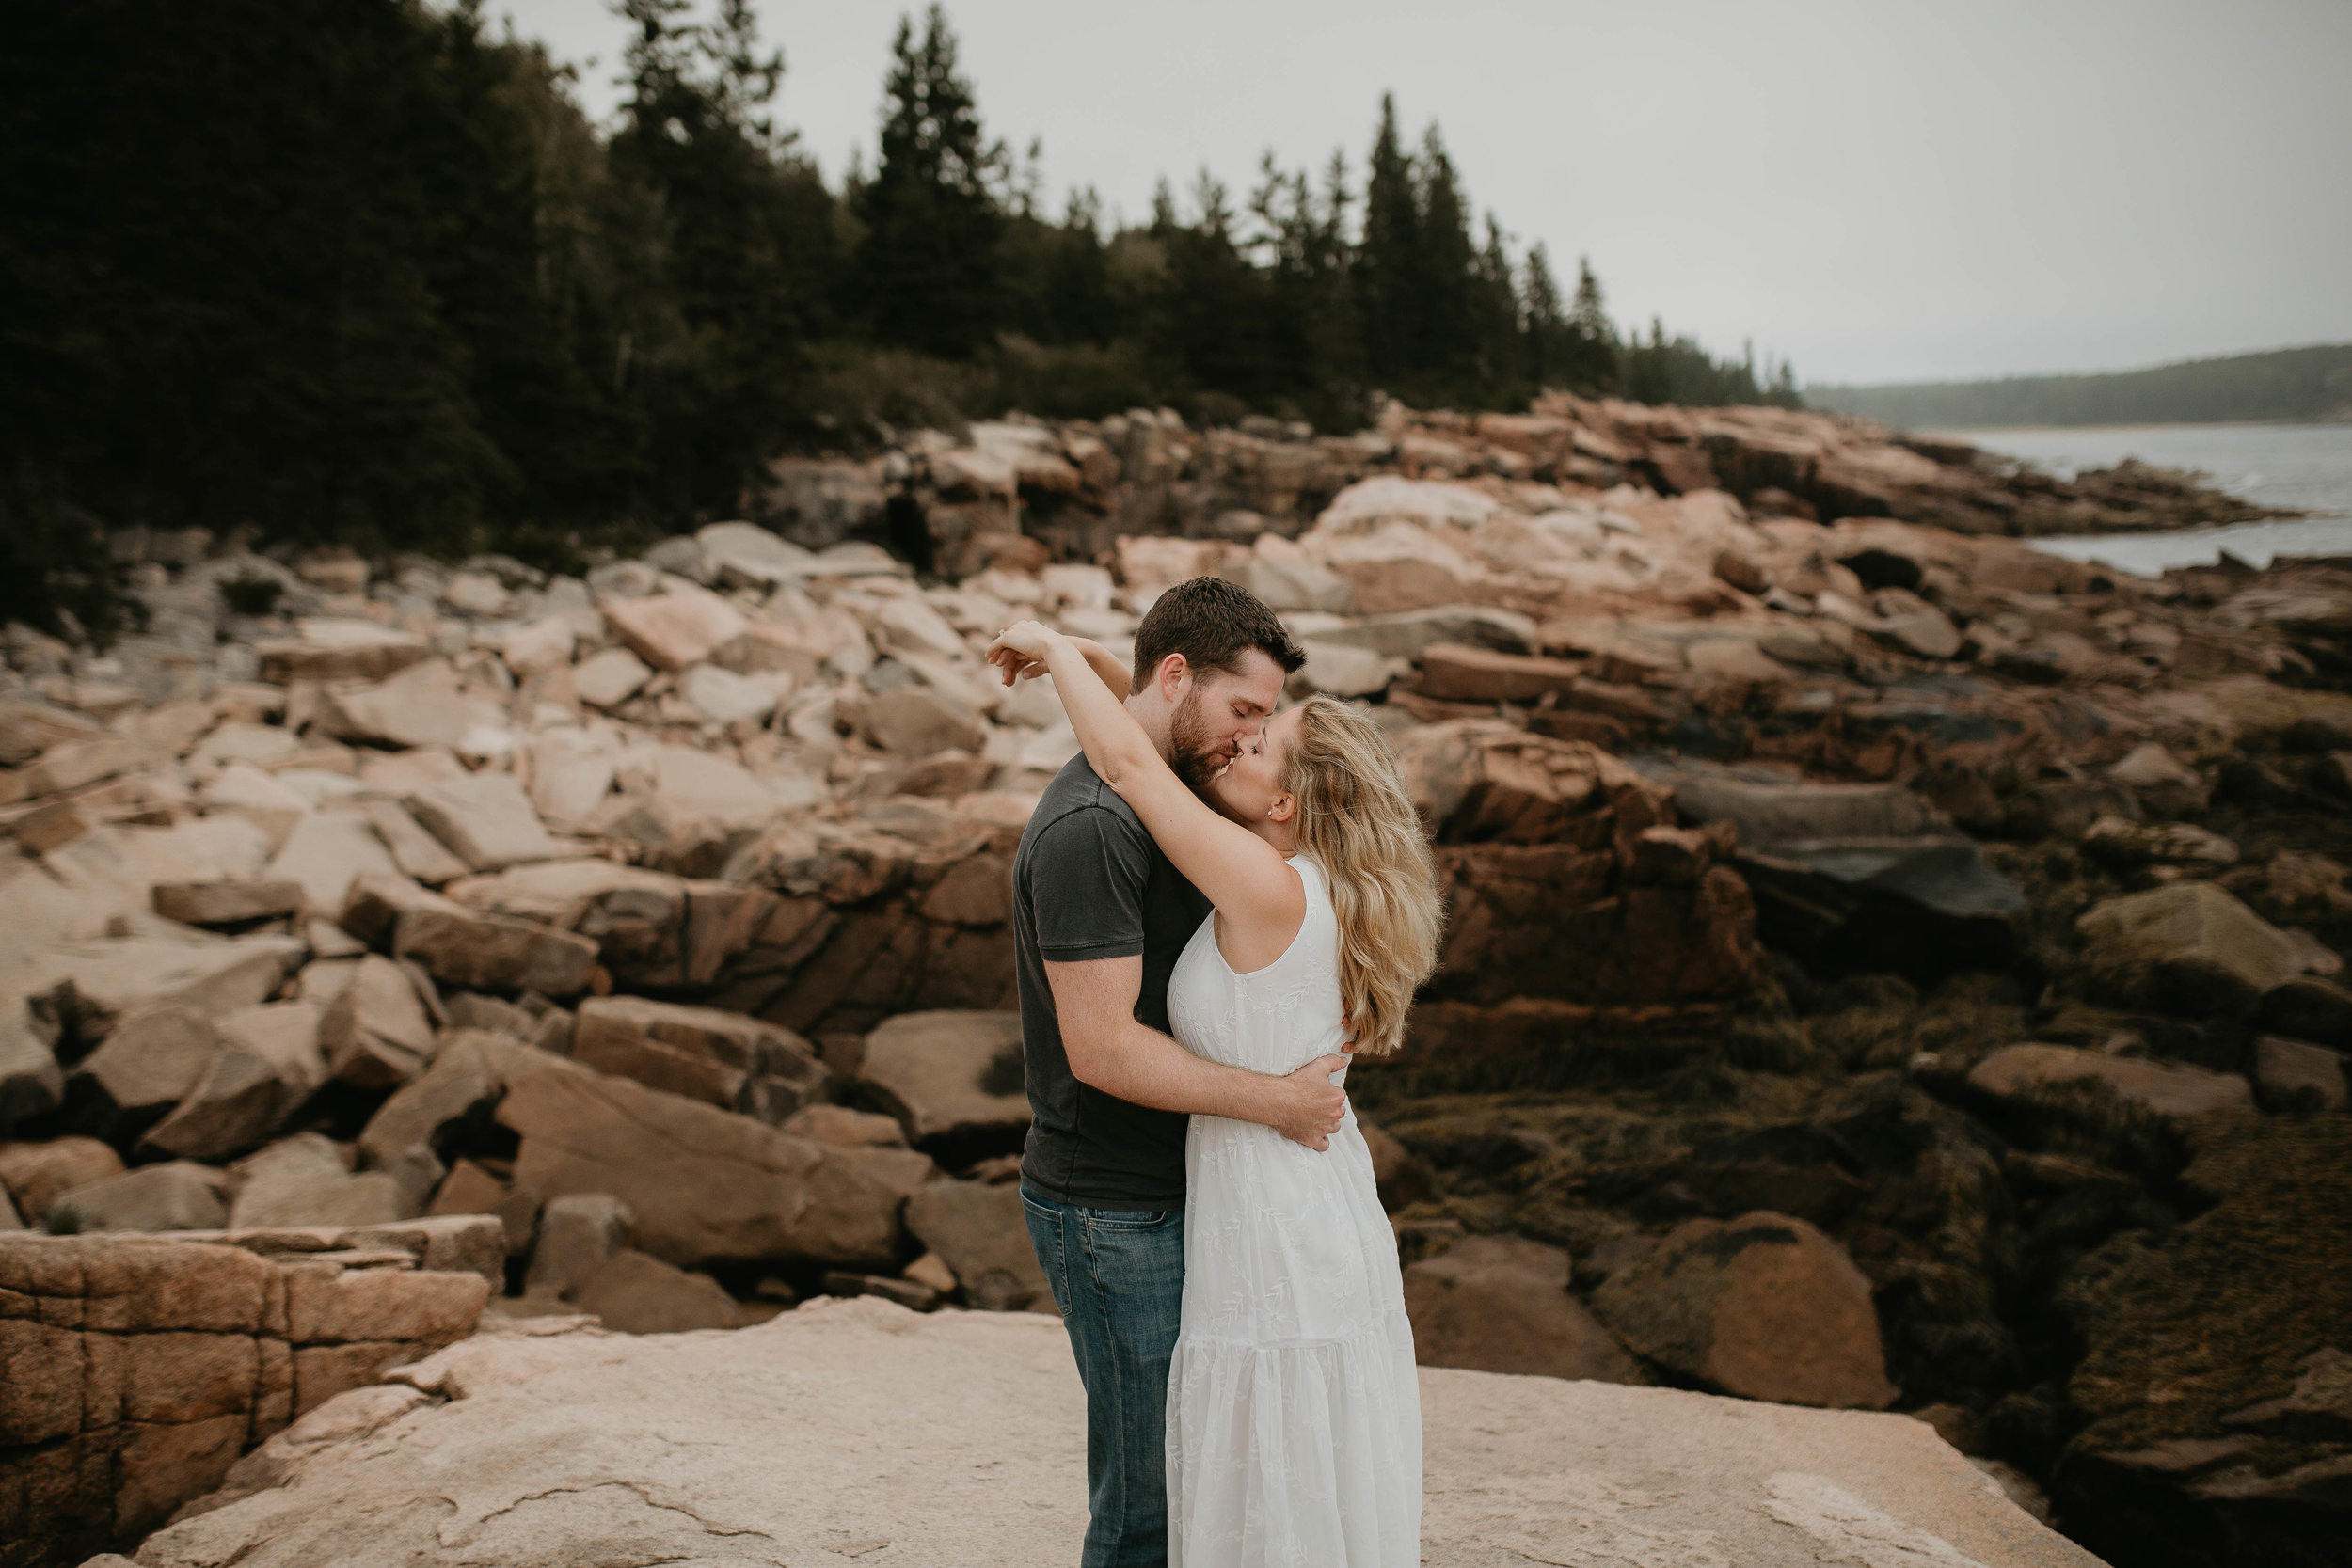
(1171, 676)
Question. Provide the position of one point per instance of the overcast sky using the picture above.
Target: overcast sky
(1885, 191)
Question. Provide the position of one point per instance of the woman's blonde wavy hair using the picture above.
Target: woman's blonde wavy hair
(1355, 820)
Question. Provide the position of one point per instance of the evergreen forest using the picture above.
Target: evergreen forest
(362, 271)
(2312, 384)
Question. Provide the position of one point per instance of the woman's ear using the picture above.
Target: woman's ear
(1285, 807)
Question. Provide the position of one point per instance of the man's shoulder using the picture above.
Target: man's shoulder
(1075, 790)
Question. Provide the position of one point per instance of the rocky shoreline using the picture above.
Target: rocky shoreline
(1890, 968)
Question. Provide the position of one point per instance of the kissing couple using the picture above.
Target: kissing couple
(1214, 905)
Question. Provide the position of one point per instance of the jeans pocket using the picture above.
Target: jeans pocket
(1127, 1219)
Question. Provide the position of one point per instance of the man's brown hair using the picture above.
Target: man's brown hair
(1212, 623)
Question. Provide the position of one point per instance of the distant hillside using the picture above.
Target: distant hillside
(2285, 384)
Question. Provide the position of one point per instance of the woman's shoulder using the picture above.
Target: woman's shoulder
(1313, 877)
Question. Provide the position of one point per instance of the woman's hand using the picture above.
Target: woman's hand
(1018, 651)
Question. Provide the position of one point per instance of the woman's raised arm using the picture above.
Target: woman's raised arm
(1242, 875)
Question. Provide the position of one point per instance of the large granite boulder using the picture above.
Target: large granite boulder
(704, 1184)
(134, 1371)
(985, 1422)
(488, 953)
(706, 1054)
(951, 1077)
(1764, 1306)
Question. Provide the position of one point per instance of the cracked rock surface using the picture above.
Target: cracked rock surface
(856, 1431)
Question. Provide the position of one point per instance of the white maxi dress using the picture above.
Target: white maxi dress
(1294, 1413)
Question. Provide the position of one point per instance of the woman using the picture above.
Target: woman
(1293, 1416)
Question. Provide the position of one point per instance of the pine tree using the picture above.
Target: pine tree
(718, 345)
(1500, 339)
(1446, 347)
(1388, 258)
(1589, 362)
(926, 268)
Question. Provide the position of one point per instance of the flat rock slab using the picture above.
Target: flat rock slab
(858, 1431)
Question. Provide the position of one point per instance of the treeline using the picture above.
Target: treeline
(358, 270)
(2293, 384)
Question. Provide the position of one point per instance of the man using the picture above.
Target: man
(1100, 917)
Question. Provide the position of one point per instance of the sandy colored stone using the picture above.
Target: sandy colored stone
(424, 704)
(724, 697)
(376, 1033)
(486, 819)
(839, 1124)
(325, 853)
(38, 1174)
(707, 1054)
(114, 979)
(952, 1074)
(671, 630)
(579, 1234)
(486, 952)
(1455, 673)
(704, 1184)
(2174, 1088)
(147, 1064)
(978, 1229)
(915, 721)
(979, 1423)
(610, 678)
(2188, 946)
(542, 645)
(306, 1181)
(1500, 1304)
(633, 1292)
(72, 763)
(1340, 670)
(416, 852)
(1764, 1306)
(178, 1195)
(226, 903)
(338, 650)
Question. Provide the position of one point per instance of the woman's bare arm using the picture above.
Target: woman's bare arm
(1242, 875)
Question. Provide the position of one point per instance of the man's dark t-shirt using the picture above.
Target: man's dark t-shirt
(1090, 883)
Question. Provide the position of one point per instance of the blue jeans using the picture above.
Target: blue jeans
(1118, 1278)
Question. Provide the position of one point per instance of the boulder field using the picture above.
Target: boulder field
(859, 1432)
(1889, 969)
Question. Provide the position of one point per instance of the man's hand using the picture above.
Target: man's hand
(1308, 1109)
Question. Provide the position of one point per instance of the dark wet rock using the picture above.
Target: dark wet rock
(2213, 1362)
(2308, 1008)
(1854, 877)
(2295, 1075)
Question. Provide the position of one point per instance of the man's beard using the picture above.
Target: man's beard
(1194, 757)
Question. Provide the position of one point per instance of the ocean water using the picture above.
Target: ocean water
(2308, 466)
